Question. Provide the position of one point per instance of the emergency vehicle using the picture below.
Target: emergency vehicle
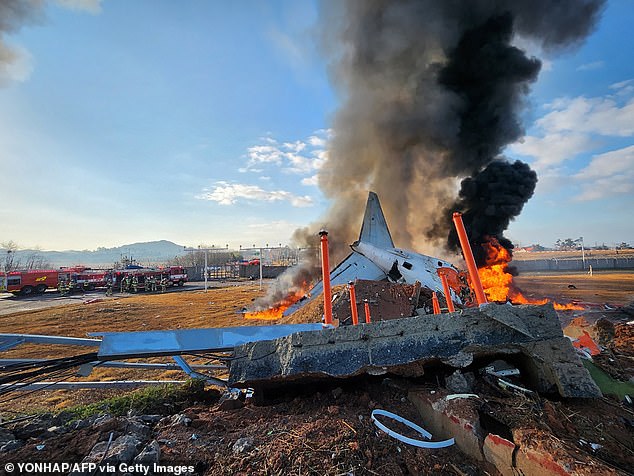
(29, 282)
(177, 276)
(81, 278)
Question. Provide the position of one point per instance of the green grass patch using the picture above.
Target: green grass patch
(607, 384)
(163, 399)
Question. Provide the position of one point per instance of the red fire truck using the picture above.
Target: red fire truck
(177, 276)
(86, 279)
(29, 282)
(81, 278)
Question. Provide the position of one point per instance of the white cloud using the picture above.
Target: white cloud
(90, 6)
(297, 157)
(317, 141)
(574, 127)
(552, 149)
(622, 84)
(312, 180)
(229, 193)
(591, 66)
(296, 146)
(624, 88)
(608, 174)
(601, 115)
(265, 154)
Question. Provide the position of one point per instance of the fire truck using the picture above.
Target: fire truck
(81, 278)
(29, 282)
(177, 276)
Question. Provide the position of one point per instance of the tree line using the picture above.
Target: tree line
(12, 259)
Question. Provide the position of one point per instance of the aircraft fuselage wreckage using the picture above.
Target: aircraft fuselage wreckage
(375, 258)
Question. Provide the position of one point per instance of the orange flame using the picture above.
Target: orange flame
(497, 281)
(276, 311)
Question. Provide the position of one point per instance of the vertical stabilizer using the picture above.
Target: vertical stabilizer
(374, 228)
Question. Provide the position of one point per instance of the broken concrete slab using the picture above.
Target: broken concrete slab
(499, 452)
(405, 346)
(456, 419)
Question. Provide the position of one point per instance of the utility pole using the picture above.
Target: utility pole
(583, 253)
(205, 250)
(260, 268)
(5, 285)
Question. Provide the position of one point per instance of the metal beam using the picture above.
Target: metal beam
(193, 374)
(120, 345)
(9, 343)
(46, 339)
(123, 364)
(78, 385)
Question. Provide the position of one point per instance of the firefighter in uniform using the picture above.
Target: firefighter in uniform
(163, 284)
(62, 287)
(109, 286)
(135, 284)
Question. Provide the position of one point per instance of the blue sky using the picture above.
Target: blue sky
(207, 122)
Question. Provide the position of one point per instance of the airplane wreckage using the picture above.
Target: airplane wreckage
(408, 342)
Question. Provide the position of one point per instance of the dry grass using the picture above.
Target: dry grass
(600, 288)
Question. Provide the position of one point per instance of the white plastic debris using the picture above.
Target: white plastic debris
(504, 384)
(454, 396)
(413, 426)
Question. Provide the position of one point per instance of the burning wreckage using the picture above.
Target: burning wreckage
(394, 288)
(397, 292)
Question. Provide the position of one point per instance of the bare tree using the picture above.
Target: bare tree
(35, 260)
(9, 259)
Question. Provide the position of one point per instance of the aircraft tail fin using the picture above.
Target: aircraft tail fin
(374, 229)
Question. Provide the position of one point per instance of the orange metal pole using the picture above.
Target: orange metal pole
(468, 257)
(445, 288)
(353, 304)
(435, 303)
(325, 276)
(367, 312)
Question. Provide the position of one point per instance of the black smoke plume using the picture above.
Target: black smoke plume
(490, 200)
(431, 94)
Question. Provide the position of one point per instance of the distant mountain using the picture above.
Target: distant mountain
(147, 254)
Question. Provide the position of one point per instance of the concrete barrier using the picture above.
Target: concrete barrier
(576, 264)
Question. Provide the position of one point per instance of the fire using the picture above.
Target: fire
(276, 311)
(497, 281)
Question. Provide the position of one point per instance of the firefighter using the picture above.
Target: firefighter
(153, 283)
(135, 284)
(126, 283)
(163, 284)
(109, 286)
(62, 287)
